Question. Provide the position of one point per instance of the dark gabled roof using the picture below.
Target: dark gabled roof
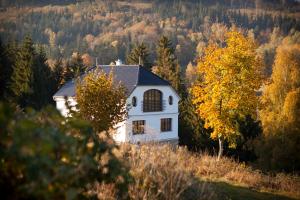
(129, 75)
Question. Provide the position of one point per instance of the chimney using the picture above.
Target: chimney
(119, 62)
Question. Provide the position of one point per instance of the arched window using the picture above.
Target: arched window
(133, 101)
(152, 101)
(170, 100)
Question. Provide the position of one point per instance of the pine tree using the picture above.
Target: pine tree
(5, 70)
(191, 128)
(74, 67)
(139, 55)
(58, 73)
(22, 77)
(11, 54)
(3, 79)
(167, 64)
(42, 84)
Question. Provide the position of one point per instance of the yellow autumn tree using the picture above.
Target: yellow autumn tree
(226, 90)
(278, 148)
(280, 95)
(100, 100)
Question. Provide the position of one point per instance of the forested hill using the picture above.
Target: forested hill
(108, 29)
(283, 4)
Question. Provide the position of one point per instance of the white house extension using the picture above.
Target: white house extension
(152, 104)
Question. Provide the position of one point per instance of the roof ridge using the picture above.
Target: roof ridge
(156, 75)
(130, 75)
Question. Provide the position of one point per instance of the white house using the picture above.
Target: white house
(152, 104)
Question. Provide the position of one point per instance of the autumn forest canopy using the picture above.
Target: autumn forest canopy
(111, 29)
(235, 65)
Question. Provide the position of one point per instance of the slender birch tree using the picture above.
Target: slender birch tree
(226, 88)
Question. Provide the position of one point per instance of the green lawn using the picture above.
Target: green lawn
(227, 191)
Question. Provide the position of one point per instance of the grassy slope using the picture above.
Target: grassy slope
(202, 177)
(234, 192)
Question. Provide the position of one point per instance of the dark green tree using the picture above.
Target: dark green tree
(43, 82)
(74, 67)
(22, 76)
(5, 71)
(11, 50)
(191, 129)
(249, 130)
(167, 63)
(58, 73)
(139, 55)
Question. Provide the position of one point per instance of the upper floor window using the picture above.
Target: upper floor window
(170, 100)
(133, 101)
(152, 101)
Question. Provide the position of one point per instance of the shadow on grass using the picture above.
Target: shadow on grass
(227, 191)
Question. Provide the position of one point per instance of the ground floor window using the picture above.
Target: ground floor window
(165, 124)
(138, 127)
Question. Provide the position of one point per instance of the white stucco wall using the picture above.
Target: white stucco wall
(152, 119)
(152, 128)
(167, 91)
(61, 105)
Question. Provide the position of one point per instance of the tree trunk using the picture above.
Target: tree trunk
(219, 137)
(220, 149)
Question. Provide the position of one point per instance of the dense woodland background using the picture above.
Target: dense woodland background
(109, 29)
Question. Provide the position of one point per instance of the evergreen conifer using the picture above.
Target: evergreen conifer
(22, 76)
(139, 55)
(167, 64)
(42, 81)
(5, 71)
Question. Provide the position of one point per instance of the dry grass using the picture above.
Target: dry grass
(161, 172)
(230, 171)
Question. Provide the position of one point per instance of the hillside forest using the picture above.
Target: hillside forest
(235, 65)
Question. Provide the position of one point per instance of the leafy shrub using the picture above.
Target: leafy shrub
(100, 100)
(44, 156)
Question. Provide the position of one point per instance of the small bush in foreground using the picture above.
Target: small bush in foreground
(44, 156)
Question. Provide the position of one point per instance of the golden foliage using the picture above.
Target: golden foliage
(278, 148)
(281, 96)
(100, 100)
(229, 77)
(291, 107)
(190, 73)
